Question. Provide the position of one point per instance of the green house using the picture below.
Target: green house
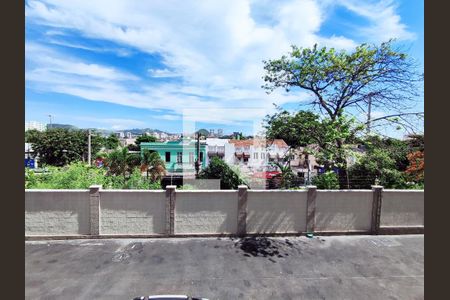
(179, 156)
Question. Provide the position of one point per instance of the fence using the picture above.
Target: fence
(143, 213)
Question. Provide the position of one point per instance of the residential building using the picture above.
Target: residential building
(254, 153)
(179, 156)
(304, 164)
(35, 125)
(220, 148)
(127, 141)
(163, 136)
(120, 134)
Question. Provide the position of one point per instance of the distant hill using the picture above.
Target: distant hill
(138, 131)
(106, 132)
(63, 126)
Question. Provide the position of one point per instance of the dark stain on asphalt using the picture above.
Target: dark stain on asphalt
(263, 247)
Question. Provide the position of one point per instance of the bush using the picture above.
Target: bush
(218, 169)
(74, 176)
(377, 165)
(81, 176)
(326, 181)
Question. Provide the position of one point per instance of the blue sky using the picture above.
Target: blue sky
(135, 64)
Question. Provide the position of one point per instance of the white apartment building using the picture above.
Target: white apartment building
(220, 148)
(35, 125)
(250, 155)
(256, 153)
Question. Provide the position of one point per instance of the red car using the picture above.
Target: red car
(266, 174)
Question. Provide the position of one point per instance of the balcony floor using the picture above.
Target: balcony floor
(339, 267)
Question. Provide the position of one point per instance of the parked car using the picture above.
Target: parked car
(266, 172)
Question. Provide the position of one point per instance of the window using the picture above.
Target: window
(263, 155)
(191, 157)
(180, 157)
(255, 155)
(167, 156)
(201, 156)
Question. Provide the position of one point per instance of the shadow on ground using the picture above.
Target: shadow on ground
(264, 247)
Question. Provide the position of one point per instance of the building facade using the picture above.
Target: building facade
(35, 125)
(257, 153)
(179, 156)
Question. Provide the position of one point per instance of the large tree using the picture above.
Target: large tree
(58, 146)
(142, 139)
(305, 129)
(371, 76)
(112, 142)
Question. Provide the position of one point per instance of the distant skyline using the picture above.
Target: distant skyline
(138, 64)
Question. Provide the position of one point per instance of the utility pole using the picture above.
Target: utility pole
(50, 117)
(197, 161)
(89, 147)
(369, 112)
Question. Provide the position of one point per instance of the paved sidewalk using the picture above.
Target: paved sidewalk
(339, 267)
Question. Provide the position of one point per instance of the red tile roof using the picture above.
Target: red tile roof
(258, 142)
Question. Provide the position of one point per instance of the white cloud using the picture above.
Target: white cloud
(385, 22)
(215, 49)
(113, 123)
(162, 73)
(43, 60)
(118, 51)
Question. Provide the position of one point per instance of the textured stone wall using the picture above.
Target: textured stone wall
(343, 210)
(402, 208)
(206, 212)
(132, 212)
(276, 211)
(181, 212)
(57, 212)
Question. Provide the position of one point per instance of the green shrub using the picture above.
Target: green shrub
(326, 181)
(80, 176)
(218, 169)
(377, 165)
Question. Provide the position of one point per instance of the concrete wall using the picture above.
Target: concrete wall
(206, 212)
(132, 212)
(275, 211)
(183, 212)
(343, 210)
(402, 208)
(57, 212)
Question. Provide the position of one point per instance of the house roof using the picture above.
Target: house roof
(280, 143)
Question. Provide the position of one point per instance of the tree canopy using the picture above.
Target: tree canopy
(378, 75)
(112, 142)
(59, 146)
(145, 139)
(142, 139)
(304, 129)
